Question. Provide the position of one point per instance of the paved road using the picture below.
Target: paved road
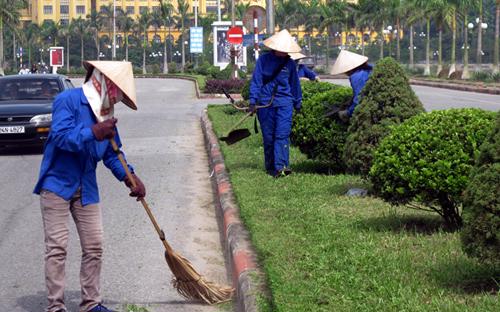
(164, 142)
(438, 98)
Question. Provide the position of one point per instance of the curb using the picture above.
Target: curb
(459, 87)
(241, 254)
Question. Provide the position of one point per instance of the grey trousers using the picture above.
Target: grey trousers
(88, 221)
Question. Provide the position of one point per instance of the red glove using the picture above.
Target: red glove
(105, 130)
(139, 190)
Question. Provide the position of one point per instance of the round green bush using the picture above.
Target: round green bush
(312, 88)
(386, 100)
(429, 157)
(481, 203)
(317, 136)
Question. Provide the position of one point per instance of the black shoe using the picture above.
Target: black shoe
(283, 172)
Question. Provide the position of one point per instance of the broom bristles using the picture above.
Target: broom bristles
(191, 285)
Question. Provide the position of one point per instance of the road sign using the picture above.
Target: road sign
(56, 56)
(235, 35)
(196, 39)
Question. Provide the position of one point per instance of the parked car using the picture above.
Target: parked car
(26, 107)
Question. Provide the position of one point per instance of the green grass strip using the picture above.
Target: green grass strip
(324, 251)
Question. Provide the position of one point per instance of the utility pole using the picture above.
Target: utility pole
(218, 11)
(113, 53)
(270, 17)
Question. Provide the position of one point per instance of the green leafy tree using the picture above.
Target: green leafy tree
(184, 15)
(65, 30)
(126, 25)
(428, 159)
(142, 27)
(95, 24)
(386, 100)
(481, 204)
(80, 28)
(9, 15)
(166, 10)
(496, 49)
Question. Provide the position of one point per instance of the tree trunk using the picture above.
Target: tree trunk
(382, 42)
(427, 70)
(97, 46)
(465, 72)
(183, 49)
(327, 64)
(398, 43)
(453, 60)
(450, 212)
(165, 57)
(412, 47)
(81, 55)
(440, 51)
(1, 47)
(144, 59)
(14, 60)
(479, 58)
(496, 69)
(126, 46)
(67, 53)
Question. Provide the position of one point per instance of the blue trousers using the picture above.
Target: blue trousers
(276, 125)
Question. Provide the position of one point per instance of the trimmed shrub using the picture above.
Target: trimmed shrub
(386, 100)
(429, 157)
(481, 203)
(245, 91)
(312, 88)
(172, 68)
(226, 73)
(317, 136)
(217, 86)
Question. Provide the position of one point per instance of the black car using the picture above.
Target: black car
(26, 107)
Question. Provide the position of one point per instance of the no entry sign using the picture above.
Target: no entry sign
(235, 35)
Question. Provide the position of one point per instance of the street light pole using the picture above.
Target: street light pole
(270, 17)
(113, 53)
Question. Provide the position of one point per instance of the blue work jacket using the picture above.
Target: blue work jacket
(288, 89)
(72, 151)
(358, 80)
(304, 71)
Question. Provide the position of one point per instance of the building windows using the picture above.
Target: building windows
(130, 10)
(80, 9)
(47, 9)
(64, 21)
(64, 9)
(143, 9)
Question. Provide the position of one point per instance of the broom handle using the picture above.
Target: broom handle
(160, 232)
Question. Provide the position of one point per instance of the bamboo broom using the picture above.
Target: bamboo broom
(186, 280)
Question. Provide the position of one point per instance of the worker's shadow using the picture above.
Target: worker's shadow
(37, 302)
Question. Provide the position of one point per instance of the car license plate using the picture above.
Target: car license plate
(13, 129)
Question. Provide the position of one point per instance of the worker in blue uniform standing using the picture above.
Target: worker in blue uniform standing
(357, 68)
(82, 124)
(275, 80)
(304, 72)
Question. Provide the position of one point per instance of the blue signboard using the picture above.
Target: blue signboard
(196, 39)
(248, 40)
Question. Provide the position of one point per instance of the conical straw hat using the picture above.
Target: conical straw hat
(347, 61)
(121, 74)
(297, 56)
(283, 42)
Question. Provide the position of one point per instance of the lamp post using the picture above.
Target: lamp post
(113, 54)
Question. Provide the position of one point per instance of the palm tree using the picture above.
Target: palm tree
(426, 9)
(80, 28)
(479, 37)
(65, 31)
(166, 9)
(331, 14)
(183, 11)
(31, 36)
(496, 69)
(95, 24)
(106, 15)
(142, 25)
(9, 15)
(310, 15)
(126, 25)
